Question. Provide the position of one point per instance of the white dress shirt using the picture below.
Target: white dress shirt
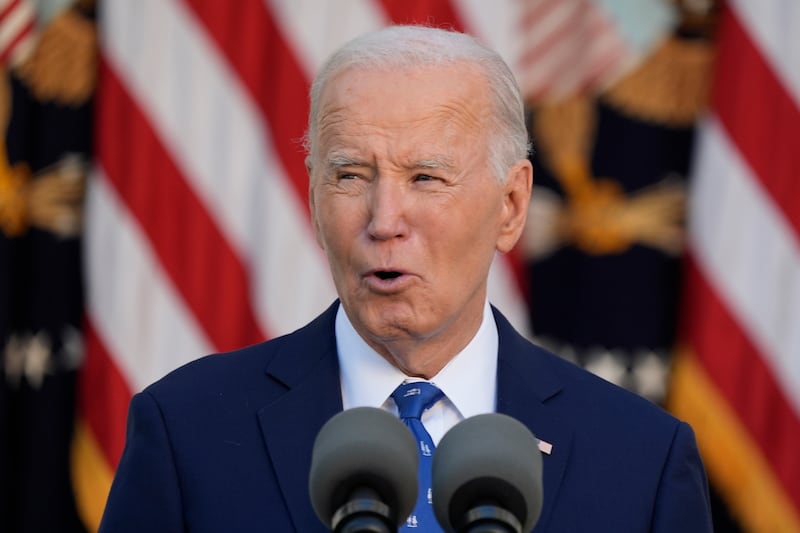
(469, 380)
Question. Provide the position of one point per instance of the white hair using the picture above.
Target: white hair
(421, 46)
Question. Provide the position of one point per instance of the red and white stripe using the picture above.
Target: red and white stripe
(197, 234)
(17, 30)
(569, 46)
(743, 301)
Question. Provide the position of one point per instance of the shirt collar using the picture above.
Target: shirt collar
(468, 380)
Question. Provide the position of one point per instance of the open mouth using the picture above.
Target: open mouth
(387, 274)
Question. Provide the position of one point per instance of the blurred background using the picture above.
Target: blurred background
(153, 208)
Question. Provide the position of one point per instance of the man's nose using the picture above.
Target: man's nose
(387, 210)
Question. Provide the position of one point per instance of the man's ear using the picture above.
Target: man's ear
(516, 198)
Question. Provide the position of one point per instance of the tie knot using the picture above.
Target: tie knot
(413, 398)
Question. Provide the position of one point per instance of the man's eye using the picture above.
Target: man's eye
(347, 176)
(423, 177)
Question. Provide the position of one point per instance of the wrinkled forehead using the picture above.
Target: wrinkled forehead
(452, 97)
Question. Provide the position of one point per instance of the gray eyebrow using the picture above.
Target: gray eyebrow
(336, 161)
(434, 163)
(339, 160)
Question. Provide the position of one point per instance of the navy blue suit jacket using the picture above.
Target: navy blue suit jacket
(223, 444)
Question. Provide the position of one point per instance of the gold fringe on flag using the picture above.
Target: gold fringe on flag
(91, 477)
(734, 462)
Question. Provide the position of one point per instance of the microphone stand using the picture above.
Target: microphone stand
(364, 512)
(489, 518)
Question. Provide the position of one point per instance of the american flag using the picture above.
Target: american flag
(738, 378)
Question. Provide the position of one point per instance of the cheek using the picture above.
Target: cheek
(458, 251)
(337, 226)
(470, 229)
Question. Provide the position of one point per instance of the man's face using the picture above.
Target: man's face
(405, 206)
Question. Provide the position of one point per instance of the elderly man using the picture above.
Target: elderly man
(417, 158)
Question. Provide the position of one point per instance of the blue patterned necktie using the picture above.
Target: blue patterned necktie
(412, 400)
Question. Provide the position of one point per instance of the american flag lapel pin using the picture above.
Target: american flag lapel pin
(545, 447)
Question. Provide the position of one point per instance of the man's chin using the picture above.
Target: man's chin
(388, 322)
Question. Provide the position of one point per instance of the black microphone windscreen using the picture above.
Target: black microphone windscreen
(363, 447)
(487, 459)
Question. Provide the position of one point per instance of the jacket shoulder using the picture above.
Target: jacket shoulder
(292, 354)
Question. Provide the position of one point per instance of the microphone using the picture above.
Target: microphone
(487, 477)
(363, 472)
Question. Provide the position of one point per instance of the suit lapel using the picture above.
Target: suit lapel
(525, 385)
(307, 367)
